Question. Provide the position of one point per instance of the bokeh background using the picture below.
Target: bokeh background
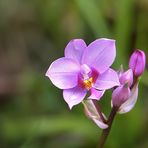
(33, 33)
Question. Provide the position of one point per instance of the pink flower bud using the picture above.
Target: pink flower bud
(131, 101)
(137, 62)
(126, 78)
(92, 112)
(120, 95)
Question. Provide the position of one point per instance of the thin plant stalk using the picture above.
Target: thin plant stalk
(106, 131)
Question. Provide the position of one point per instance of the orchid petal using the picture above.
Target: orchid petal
(93, 114)
(63, 73)
(130, 103)
(96, 94)
(107, 80)
(100, 54)
(74, 96)
(75, 49)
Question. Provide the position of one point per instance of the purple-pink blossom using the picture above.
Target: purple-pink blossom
(84, 68)
(137, 62)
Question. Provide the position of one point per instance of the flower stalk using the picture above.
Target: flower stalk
(106, 131)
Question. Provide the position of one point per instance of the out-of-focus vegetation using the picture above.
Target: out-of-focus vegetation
(33, 33)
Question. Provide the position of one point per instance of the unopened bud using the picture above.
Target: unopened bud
(120, 95)
(137, 62)
(126, 77)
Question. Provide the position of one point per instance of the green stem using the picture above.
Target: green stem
(106, 131)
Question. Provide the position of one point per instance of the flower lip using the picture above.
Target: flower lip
(87, 76)
(88, 83)
(85, 71)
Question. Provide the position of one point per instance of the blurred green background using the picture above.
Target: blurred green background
(33, 33)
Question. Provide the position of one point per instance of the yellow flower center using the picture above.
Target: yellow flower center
(88, 83)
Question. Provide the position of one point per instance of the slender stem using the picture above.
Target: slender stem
(106, 131)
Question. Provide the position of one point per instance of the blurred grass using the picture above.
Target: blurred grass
(93, 16)
(124, 28)
(37, 31)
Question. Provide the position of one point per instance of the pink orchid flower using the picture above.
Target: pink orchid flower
(84, 68)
